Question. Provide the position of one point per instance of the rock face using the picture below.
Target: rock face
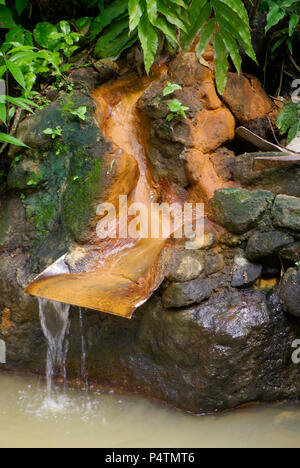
(244, 273)
(215, 334)
(290, 292)
(239, 210)
(234, 348)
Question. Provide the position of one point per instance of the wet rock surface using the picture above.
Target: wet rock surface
(264, 244)
(179, 295)
(207, 340)
(239, 210)
(244, 272)
(290, 292)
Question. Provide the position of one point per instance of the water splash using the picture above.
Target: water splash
(84, 373)
(55, 323)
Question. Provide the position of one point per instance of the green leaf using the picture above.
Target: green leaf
(232, 24)
(197, 20)
(274, 17)
(239, 8)
(16, 72)
(287, 117)
(152, 10)
(168, 30)
(222, 64)
(21, 5)
(205, 37)
(135, 13)
(111, 41)
(180, 3)
(293, 132)
(232, 49)
(171, 88)
(64, 27)
(294, 20)
(45, 34)
(113, 11)
(3, 112)
(170, 15)
(6, 18)
(11, 140)
(19, 102)
(149, 41)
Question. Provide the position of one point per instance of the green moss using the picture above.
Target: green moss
(40, 211)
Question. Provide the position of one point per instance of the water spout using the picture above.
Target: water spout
(55, 323)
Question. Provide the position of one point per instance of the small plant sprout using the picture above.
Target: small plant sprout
(177, 110)
(80, 112)
(297, 264)
(171, 88)
(54, 133)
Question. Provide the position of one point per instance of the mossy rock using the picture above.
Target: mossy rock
(240, 210)
(59, 179)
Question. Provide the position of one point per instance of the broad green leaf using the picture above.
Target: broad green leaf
(113, 11)
(11, 140)
(294, 20)
(274, 17)
(168, 30)
(45, 34)
(21, 5)
(108, 44)
(205, 37)
(135, 13)
(65, 27)
(2, 2)
(149, 41)
(239, 8)
(222, 64)
(197, 21)
(6, 18)
(152, 10)
(232, 24)
(180, 3)
(19, 35)
(3, 112)
(16, 72)
(170, 15)
(18, 102)
(232, 49)
(293, 131)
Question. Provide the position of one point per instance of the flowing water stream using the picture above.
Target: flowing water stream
(55, 323)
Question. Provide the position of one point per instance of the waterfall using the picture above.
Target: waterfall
(55, 323)
(84, 374)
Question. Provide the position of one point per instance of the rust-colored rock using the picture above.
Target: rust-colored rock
(246, 98)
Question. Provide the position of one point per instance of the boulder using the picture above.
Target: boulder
(178, 295)
(264, 244)
(290, 292)
(244, 273)
(291, 252)
(240, 210)
(286, 212)
(283, 179)
(246, 98)
(185, 268)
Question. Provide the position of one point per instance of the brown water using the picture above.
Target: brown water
(75, 419)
